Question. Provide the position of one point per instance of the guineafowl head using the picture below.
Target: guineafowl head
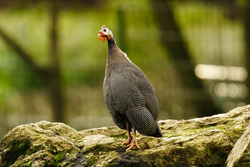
(105, 33)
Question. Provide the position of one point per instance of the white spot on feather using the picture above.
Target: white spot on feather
(127, 57)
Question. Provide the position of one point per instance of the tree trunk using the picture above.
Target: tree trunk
(55, 85)
(246, 24)
(172, 40)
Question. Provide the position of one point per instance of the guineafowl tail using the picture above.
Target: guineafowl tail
(158, 132)
(141, 119)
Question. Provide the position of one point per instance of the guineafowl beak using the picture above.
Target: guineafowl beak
(101, 35)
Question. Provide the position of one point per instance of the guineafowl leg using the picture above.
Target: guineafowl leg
(129, 136)
(133, 142)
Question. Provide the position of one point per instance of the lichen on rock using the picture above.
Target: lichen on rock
(195, 142)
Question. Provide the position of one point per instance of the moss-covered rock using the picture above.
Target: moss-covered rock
(239, 156)
(196, 142)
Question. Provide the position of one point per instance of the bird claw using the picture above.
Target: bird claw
(132, 144)
(127, 142)
(131, 141)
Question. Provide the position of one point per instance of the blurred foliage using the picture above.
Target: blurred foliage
(212, 38)
(210, 34)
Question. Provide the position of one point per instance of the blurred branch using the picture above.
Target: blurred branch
(65, 4)
(23, 54)
(173, 41)
(51, 75)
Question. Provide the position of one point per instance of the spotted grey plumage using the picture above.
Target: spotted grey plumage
(128, 94)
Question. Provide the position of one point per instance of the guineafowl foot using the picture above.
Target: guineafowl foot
(128, 141)
(133, 142)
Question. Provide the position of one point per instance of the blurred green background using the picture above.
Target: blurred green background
(195, 53)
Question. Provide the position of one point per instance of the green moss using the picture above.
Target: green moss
(15, 150)
(28, 163)
(91, 161)
(59, 157)
(57, 160)
(238, 132)
(18, 148)
(187, 132)
(169, 135)
(34, 149)
(120, 136)
(42, 147)
(228, 129)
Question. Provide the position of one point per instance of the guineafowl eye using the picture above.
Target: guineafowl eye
(104, 30)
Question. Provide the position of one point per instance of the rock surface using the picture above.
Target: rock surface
(239, 156)
(201, 142)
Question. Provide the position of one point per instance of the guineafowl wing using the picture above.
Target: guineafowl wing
(133, 101)
(146, 90)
